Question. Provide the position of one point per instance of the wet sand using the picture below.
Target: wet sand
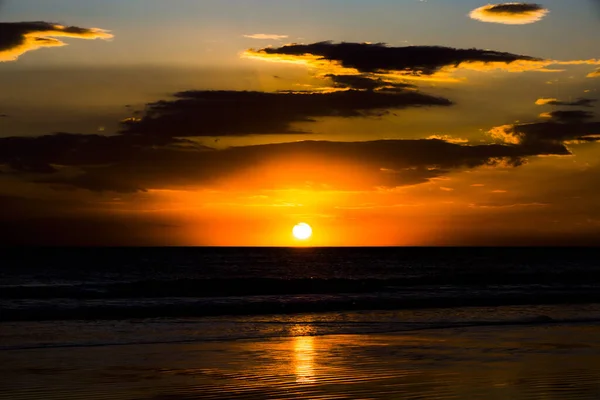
(510, 362)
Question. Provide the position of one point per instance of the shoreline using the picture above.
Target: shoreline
(20, 335)
(265, 306)
(517, 362)
(416, 330)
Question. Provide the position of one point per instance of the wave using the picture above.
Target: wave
(127, 308)
(342, 328)
(156, 288)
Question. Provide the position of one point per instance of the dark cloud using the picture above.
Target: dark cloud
(510, 13)
(514, 8)
(377, 57)
(41, 154)
(137, 162)
(569, 116)
(122, 165)
(366, 82)
(551, 136)
(324, 164)
(416, 63)
(583, 102)
(17, 38)
(151, 152)
(221, 113)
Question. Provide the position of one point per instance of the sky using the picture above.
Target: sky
(226, 123)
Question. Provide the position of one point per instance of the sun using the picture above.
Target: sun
(302, 231)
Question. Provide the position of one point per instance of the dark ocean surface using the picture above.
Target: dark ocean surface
(117, 284)
(299, 323)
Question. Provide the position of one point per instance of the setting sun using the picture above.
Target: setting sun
(302, 231)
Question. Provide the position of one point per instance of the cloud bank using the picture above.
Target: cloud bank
(232, 113)
(133, 162)
(156, 150)
(378, 57)
(510, 13)
(18, 38)
(403, 63)
(119, 164)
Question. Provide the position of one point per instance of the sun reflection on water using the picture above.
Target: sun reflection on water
(304, 359)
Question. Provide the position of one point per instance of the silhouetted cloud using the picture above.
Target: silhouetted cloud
(411, 62)
(377, 57)
(44, 154)
(17, 38)
(221, 113)
(576, 103)
(131, 163)
(266, 36)
(366, 82)
(569, 116)
(325, 164)
(551, 136)
(151, 154)
(510, 13)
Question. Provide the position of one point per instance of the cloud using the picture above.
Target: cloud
(152, 153)
(568, 116)
(266, 36)
(116, 164)
(375, 57)
(367, 82)
(510, 13)
(232, 113)
(595, 74)
(550, 137)
(132, 162)
(411, 62)
(18, 38)
(41, 154)
(555, 102)
(449, 139)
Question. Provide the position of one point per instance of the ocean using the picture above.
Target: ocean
(299, 323)
(393, 288)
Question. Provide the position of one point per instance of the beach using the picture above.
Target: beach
(544, 360)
